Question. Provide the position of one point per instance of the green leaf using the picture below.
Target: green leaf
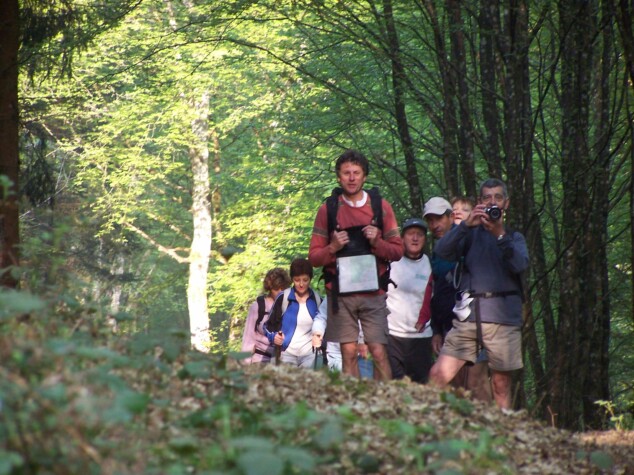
(134, 402)
(184, 445)
(195, 369)
(239, 355)
(9, 461)
(56, 393)
(259, 462)
(602, 460)
(329, 435)
(368, 463)
(101, 353)
(123, 316)
(248, 443)
(299, 458)
(15, 302)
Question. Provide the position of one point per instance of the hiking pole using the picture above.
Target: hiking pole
(316, 350)
(278, 352)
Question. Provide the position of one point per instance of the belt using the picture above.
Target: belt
(263, 353)
(489, 295)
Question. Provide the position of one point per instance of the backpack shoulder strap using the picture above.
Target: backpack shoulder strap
(261, 311)
(317, 298)
(274, 323)
(285, 300)
(376, 201)
(332, 207)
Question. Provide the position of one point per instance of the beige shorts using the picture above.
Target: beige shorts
(369, 310)
(502, 342)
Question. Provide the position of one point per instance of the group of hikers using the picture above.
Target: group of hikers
(454, 318)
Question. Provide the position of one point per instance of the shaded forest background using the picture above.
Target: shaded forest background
(171, 152)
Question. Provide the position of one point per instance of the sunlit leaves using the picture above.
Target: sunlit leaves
(15, 303)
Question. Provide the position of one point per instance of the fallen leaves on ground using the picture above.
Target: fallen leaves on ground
(520, 443)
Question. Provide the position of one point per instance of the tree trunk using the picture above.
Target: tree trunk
(465, 131)
(489, 31)
(625, 20)
(398, 85)
(9, 158)
(580, 296)
(449, 125)
(597, 385)
(201, 242)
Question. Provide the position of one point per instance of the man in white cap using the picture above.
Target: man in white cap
(438, 214)
(408, 300)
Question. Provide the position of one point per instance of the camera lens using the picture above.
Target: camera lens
(494, 213)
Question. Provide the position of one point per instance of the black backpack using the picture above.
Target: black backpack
(261, 311)
(332, 208)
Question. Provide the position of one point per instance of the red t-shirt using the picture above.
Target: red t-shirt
(388, 248)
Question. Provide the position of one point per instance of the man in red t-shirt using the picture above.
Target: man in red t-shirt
(355, 223)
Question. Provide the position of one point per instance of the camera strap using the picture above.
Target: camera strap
(479, 340)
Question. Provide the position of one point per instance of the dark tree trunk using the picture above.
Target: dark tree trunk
(625, 20)
(489, 31)
(9, 158)
(449, 125)
(597, 385)
(465, 130)
(582, 292)
(399, 85)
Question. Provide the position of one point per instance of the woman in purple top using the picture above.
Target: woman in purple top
(254, 341)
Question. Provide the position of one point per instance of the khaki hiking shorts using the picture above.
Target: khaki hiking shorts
(502, 342)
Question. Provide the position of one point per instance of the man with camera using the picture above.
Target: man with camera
(489, 302)
(438, 213)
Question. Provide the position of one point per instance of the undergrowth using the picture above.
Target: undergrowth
(78, 398)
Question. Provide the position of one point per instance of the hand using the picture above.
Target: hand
(372, 233)
(495, 227)
(362, 348)
(338, 239)
(477, 216)
(419, 326)
(317, 339)
(436, 343)
(279, 339)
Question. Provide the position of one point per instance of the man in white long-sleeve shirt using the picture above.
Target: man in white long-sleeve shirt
(409, 340)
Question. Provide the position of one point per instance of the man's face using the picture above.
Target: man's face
(494, 196)
(438, 224)
(413, 241)
(351, 178)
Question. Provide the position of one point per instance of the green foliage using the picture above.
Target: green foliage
(74, 397)
(620, 417)
(599, 459)
(460, 405)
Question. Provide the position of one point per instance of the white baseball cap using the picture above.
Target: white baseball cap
(437, 206)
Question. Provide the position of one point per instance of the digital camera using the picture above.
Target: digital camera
(494, 212)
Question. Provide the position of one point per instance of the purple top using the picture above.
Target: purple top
(254, 341)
